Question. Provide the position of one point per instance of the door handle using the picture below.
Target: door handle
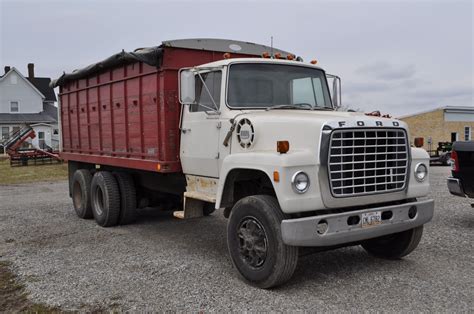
(184, 131)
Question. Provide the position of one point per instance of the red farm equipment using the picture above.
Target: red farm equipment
(20, 156)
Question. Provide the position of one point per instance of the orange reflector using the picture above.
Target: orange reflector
(226, 55)
(265, 55)
(277, 55)
(314, 61)
(276, 176)
(283, 147)
(158, 167)
(290, 57)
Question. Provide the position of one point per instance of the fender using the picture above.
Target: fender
(286, 165)
(415, 188)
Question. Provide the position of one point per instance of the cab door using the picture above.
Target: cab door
(200, 128)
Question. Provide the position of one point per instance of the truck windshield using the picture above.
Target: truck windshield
(254, 85)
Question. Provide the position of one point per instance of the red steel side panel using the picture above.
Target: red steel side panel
(128, 116)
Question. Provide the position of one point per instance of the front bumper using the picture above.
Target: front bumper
(455, 187)
(303, 232)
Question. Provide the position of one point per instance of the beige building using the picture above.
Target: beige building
(446, 124)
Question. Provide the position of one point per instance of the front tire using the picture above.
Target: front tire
(255, 244)
(394, 246)
(105, 199)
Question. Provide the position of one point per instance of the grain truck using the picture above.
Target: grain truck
(197, 125)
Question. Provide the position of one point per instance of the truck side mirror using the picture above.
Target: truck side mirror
(187, 87)
(336, 90)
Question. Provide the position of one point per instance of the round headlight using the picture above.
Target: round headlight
(421, 171)
(300, 182)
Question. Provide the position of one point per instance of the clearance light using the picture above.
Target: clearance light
(265, 55)
(283, 147)
(314, 61)
(226, 55)
(277, 55)
(290, 57)
(276, 176)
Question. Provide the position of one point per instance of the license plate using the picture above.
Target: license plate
(371, 219)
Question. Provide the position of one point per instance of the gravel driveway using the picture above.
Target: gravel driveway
(164, 263)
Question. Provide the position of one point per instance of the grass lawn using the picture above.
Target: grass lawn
(13, 175)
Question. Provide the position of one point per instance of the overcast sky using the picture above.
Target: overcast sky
(395, 56)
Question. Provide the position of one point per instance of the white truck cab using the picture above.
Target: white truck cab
(261, 138)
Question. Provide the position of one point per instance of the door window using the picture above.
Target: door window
(203, 97)
(41, 141)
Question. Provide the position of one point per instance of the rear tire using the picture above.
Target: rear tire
(81, 193)
(394, 246)
(105, 199)
(255, 244)
(128, 198)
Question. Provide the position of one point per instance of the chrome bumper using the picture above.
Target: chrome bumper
(303, 231)
(455, 187)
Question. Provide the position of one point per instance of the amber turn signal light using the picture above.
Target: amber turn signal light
(276, 176)
(283, 147)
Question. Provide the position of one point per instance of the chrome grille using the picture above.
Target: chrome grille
(367, 161)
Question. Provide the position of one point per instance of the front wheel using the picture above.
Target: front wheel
(255, 244)
(394, 246)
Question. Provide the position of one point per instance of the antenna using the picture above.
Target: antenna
(271, 46)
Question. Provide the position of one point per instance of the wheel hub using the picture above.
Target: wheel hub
(252, 242)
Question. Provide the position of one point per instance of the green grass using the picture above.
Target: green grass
(15, 175)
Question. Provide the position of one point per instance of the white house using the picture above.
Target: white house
(28, 101)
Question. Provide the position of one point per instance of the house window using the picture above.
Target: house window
(467, 133)
(14, 107)
(16, 130)
(5, 132)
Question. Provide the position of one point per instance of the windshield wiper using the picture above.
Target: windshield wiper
(302, 105)
(323, 108)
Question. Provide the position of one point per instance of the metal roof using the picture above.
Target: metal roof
(458, 109)
(16, 118)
